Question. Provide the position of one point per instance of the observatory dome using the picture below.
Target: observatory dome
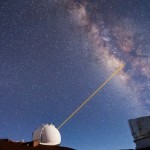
(47, 135)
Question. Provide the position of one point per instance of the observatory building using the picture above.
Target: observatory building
(47, 135)
(140, 130)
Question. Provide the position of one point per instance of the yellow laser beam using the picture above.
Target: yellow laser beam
(92, 95)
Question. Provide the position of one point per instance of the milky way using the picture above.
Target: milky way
(115, 41)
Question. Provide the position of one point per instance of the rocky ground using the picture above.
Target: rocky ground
(6, 144)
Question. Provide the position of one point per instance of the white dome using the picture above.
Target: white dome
(47, 135)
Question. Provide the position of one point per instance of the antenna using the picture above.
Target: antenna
(92, 95)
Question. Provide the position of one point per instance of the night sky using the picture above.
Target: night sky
(55, 53)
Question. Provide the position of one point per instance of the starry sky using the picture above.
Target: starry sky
(54, 54)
